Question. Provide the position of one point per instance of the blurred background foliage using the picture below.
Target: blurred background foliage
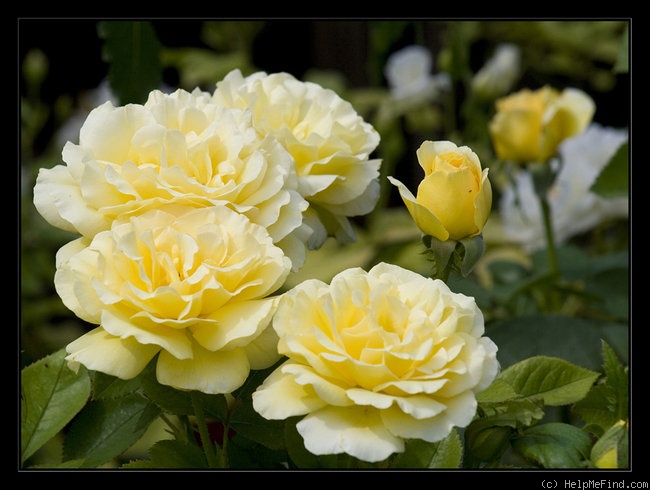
(69, 66)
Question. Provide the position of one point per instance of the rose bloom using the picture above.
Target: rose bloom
(454, 198)
(192, 285)
(328, 140)
(530, 125)
(408, 73)
(374, 359)
(176, 148)
(574, 208)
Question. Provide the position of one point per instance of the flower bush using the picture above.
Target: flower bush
(242, 278)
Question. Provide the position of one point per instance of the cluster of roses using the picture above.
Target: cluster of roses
(193, 209)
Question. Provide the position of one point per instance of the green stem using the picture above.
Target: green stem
(203, 430)
(552, 298)
(550, 240)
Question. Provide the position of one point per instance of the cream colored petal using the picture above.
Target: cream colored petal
(58, 198)
(289, 214)
(420, 407)
(365, 397)
(280, 397)
(208, 372)
(357, 431)
(98, 350)
(327, 391)
(262, 351)
(355, 206)
(236, 324)
(491, 366)
(395, 274)
(108, 130)
(459, 412)
(412, 387)
(170, 339)
(311, 185)
(353, 177)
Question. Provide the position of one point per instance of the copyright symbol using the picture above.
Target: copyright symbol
(549, 483)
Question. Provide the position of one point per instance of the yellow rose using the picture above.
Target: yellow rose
(454, 198)
(176, 148)
(530, 125)
(375, 359)
(328, 140)
(192, 285)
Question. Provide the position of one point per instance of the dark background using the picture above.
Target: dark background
(74, 50)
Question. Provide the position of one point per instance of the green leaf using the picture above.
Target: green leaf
(107, 428)
(607, 402)
(488, 436)
(613, 180)
(133, 52)
(617, 378)
(169, 399)
(554, 381)
(498, 391)
(171, 454)
(106, 386)
(554, 445)
(447, 453)
(51, 395)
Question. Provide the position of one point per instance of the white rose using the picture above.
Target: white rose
(376, 358)
(409, 77)
(499, 74)
(193, 285)
(328, 140)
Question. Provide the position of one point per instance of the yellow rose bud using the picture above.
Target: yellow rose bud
(455, 197)
(530, 125)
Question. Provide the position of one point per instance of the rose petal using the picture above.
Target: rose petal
(98, 350)
(357, 431)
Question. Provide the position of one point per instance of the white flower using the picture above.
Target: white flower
(192, 285)
(499, 74)
(374, 359)
(330, 143)
(176, 148)
(574, 208)
(408, 72)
